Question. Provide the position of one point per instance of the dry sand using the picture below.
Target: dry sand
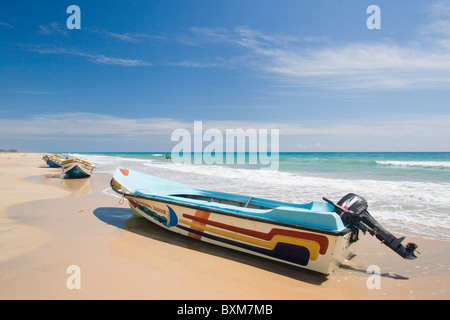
(48, 224)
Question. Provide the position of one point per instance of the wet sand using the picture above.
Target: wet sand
(48, 224)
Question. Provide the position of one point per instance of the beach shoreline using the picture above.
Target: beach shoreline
(48, 224)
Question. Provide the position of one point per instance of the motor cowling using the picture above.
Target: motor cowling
(354, 203)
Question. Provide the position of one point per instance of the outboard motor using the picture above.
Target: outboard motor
(353, 212)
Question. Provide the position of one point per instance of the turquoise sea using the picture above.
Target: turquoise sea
(409, 193)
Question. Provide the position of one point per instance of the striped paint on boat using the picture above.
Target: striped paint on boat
(294, 246)
(276, 243)
(321, 240)
(202, 218)
(282, 251)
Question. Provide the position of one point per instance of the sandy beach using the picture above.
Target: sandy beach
(48, 224)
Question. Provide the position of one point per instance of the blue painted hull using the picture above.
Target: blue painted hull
(52, 164)
(76, 172)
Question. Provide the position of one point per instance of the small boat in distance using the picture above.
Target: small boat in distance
(318, 236)
(77, 168)
(52, 160)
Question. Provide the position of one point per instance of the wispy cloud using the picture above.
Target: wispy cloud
(83, 124)
(402, 134)
(215, 62)
(439, 9)
(102, 59)
(95, 58)
(360, 66)
(437, 31)
(131, 37)
(242, 35)
(301, 61)
(55, 29)
(6, 25)
(123, 37)
(382, 65)
(30, 92)
(52, 29)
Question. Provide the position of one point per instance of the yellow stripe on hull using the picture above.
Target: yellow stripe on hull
(312, 246)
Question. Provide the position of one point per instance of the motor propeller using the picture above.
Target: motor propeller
(352, 209)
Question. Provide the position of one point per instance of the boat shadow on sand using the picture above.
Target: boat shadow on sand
(123, 218)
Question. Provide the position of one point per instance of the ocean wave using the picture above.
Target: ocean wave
(425, 164)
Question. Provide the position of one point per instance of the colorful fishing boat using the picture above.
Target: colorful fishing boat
(45, 158)
(52, 160)
(77, 168)
(318, 236)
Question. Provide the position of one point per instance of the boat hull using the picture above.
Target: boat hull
(317, 250)
(53, 161)
(77, 169)
(53, 164)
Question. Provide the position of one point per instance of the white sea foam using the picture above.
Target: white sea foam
(440, 164)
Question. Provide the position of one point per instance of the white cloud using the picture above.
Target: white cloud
(424, 133)
(101, 59)
(440, 8)
(89, 124)
(318, 62)
(307, 61)
(52, 29)
(6, 25)
(124, 37)
(437, 31)
(95, 58)
(131, 37)
(362, 66)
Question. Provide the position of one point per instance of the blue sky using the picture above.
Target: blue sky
(137, 70)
